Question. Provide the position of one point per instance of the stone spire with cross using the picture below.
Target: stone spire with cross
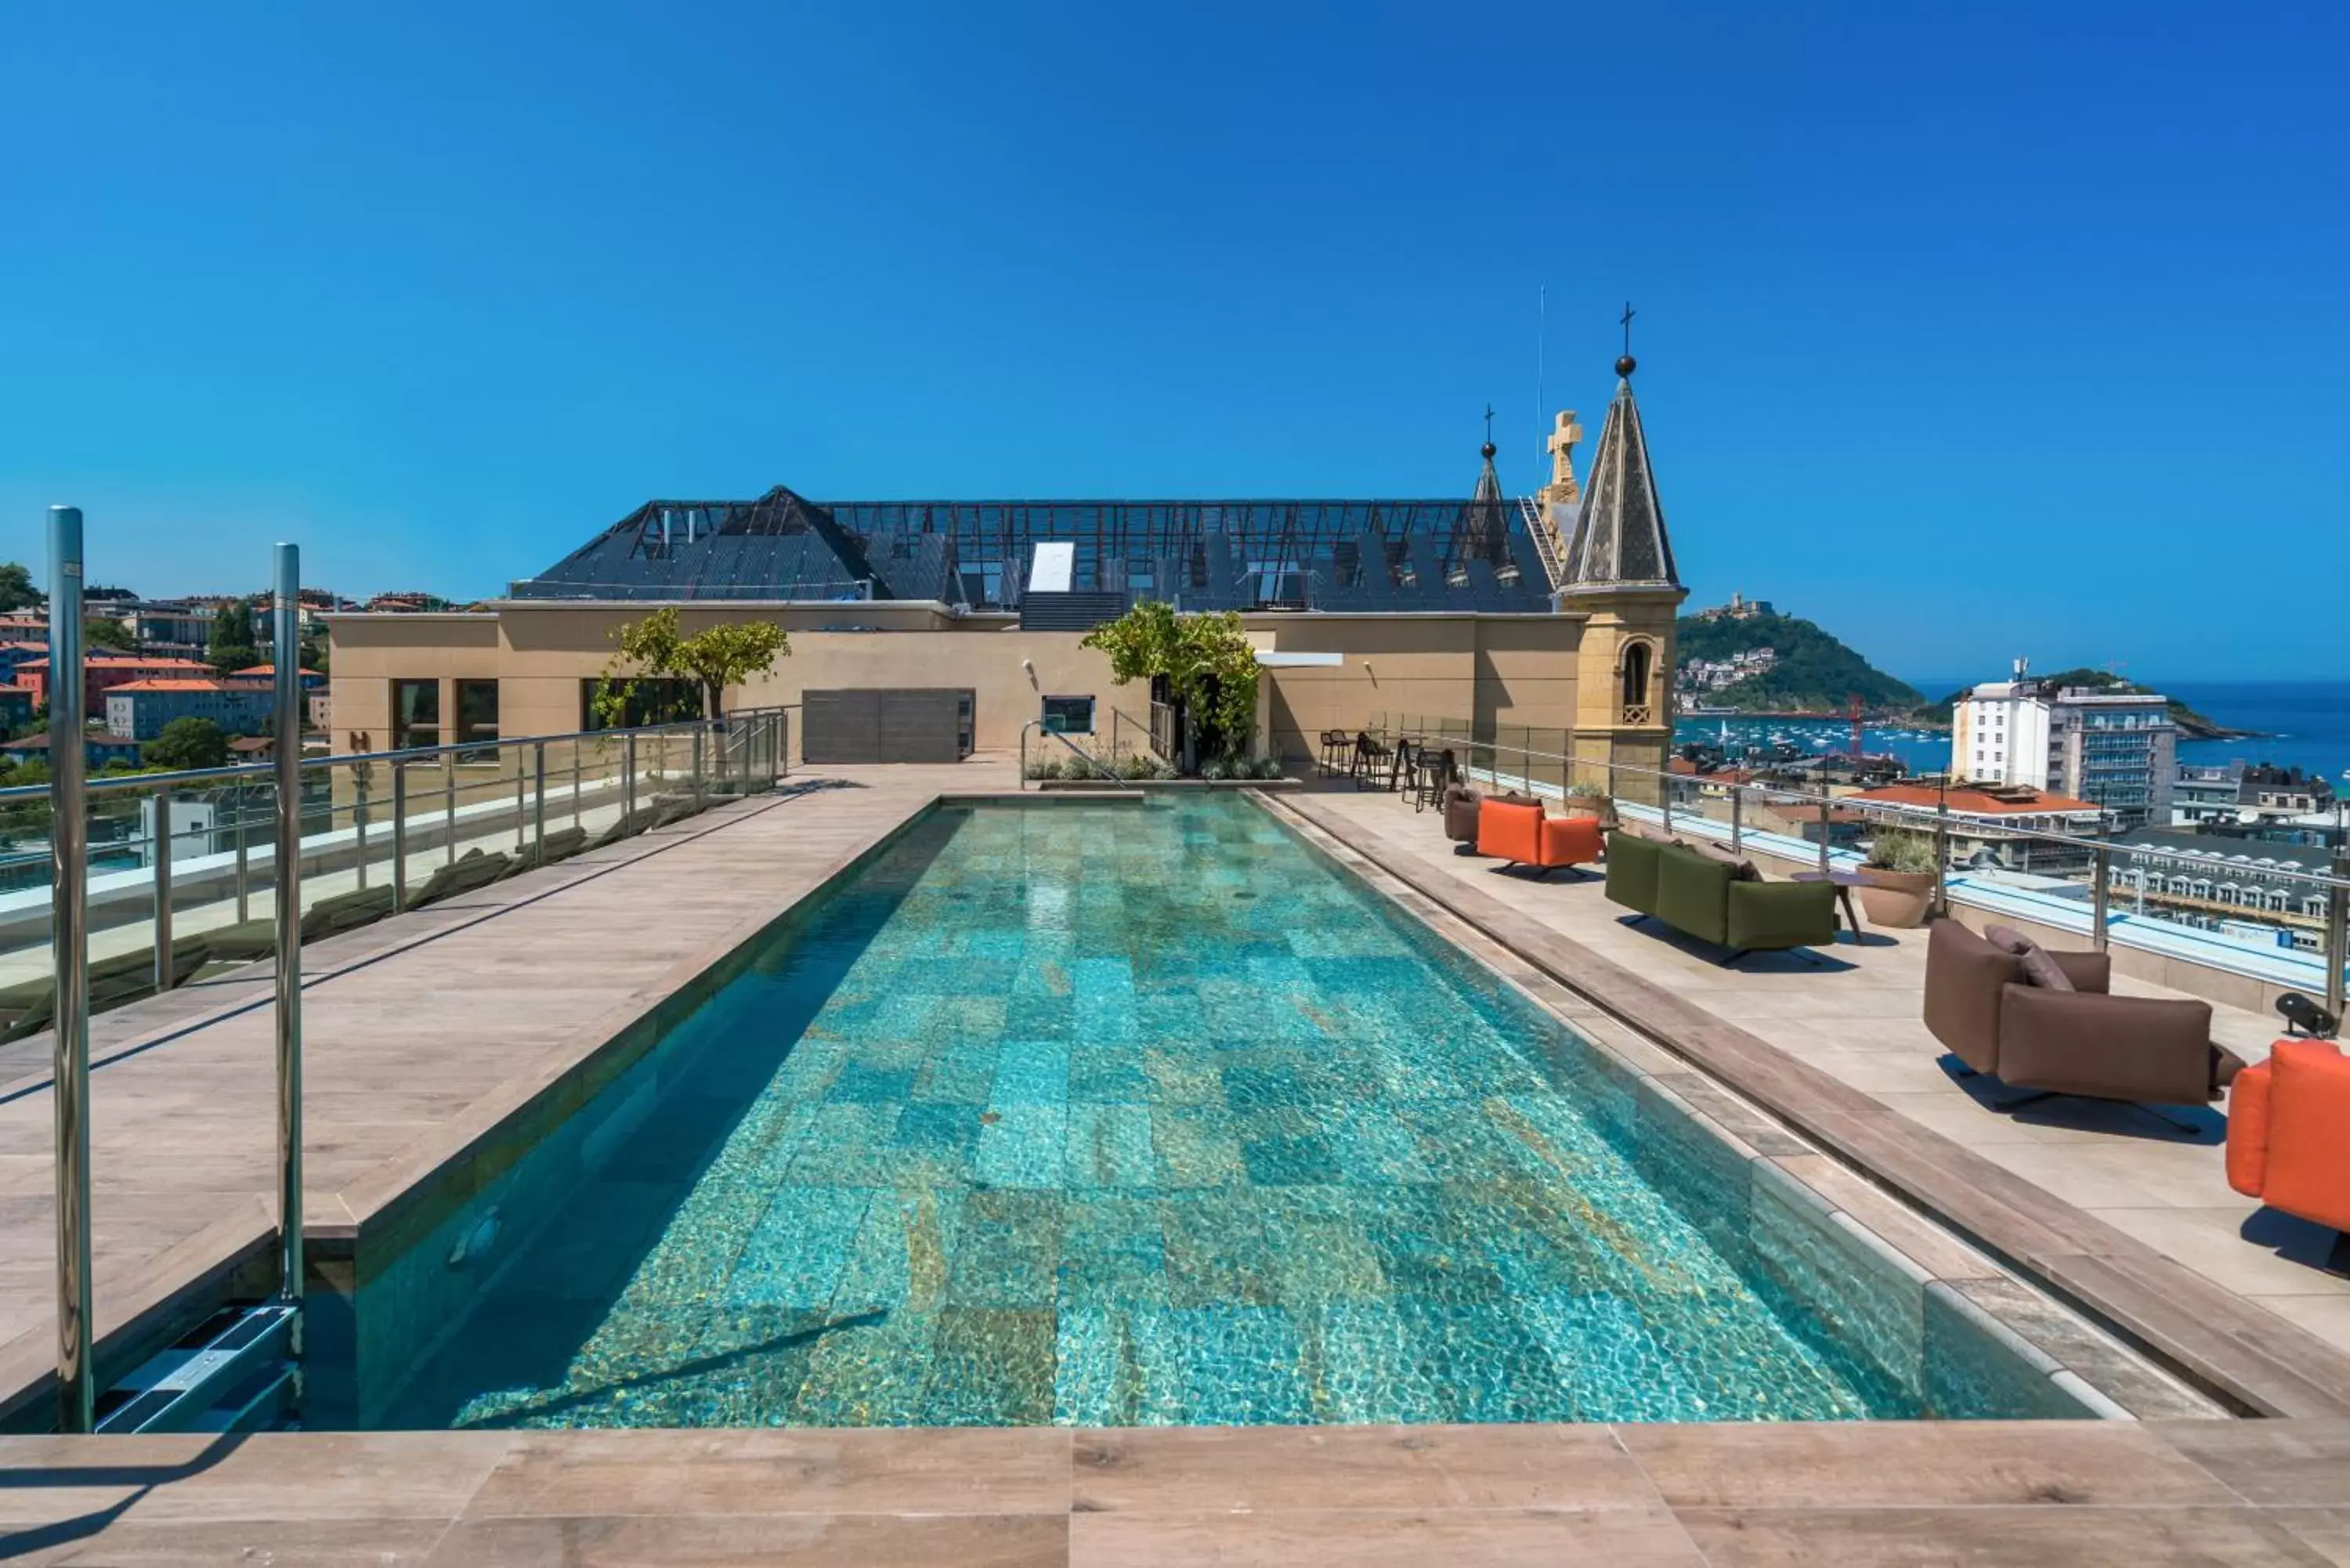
(1619, 539)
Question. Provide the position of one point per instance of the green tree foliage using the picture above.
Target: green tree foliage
(1209, 665)
(230, 645)
(1814, 671)
(712, 659)
(16, 589)
(98, 632)
(187, 744)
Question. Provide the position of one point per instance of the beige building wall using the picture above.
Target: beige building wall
(1538, 671)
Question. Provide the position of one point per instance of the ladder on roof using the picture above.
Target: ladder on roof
(1539, 526)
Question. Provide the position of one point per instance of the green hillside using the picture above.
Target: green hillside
(1814, 673)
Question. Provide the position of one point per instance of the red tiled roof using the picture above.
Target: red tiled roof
(123, 661)
(41, 742)
(1978, 802)
(165, 686)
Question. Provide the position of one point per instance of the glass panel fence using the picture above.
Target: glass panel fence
(181, 867)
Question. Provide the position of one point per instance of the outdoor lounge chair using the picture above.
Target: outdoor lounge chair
(469, 871)
(28, 1008)
(2052, 1026)
(1524, 835)
(1718, 901)
(560, 844)
(2288, 1121)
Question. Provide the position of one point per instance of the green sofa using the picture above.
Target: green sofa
(1714, 900)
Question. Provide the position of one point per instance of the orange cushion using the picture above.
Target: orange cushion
(1509, 830)
(2248, 1130)
(2309, 1132)
(1570, 840)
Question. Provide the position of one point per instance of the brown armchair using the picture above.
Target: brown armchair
(2065, 1033)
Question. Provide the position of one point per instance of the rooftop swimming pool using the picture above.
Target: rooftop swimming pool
(1111, 1115)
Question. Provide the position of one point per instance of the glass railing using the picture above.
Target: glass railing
(180, 873)
(2281, 924)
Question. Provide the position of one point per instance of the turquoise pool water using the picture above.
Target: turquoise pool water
(1111, 1116)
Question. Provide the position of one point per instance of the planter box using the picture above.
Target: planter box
(1896, 900)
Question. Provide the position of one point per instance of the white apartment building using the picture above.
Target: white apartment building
(1999, 734)
(2118, 750)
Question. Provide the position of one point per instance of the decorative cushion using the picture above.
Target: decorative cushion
(2007, 940)
(1741, 868)
(2041, 971)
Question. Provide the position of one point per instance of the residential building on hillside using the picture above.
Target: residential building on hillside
(2119, 751)
(103, 672)
(264, 677)
(99, 749)
(15, 708)
(139, 710)
(169, 629)
(1700, 676)
(15, 656)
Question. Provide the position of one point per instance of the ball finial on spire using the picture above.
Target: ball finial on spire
(1627, 365)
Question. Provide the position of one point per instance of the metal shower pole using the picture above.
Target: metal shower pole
(70, 954)
(288, 611)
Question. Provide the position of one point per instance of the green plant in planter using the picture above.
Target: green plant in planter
(1590, 798)
(1901, 849)
(1207, 660)
(1045, 767)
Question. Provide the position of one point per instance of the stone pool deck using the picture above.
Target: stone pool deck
(2105, 1201)
(2079, 1494)
(423, 1032)
(419, 1034)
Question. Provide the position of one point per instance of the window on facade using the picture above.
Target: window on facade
(643, 702)
(1636, 675)
(415, 714)
(1070, 715)
(477, 712)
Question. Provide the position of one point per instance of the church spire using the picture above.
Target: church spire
(1619, 533)
(1484, 533)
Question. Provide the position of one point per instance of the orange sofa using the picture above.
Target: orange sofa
(1523, 834)
(2289, 1131)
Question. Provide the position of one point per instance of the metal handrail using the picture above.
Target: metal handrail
(257, 771)
(1091, 760)
(1796, 792)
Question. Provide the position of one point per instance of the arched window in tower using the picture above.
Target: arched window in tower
(1637, 709)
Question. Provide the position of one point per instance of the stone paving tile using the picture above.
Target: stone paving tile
(1631, 1538)
(1912, 1464)
(2011, 1537)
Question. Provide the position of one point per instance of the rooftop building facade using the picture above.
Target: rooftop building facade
(1554, 612)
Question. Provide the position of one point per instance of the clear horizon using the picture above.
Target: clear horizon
(1961, 335)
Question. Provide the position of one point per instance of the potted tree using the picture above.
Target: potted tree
(1898, 878)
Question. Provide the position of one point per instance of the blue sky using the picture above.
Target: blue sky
(1991, 330)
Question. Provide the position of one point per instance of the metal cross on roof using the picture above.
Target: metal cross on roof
(1489, 423)
(1627, 325)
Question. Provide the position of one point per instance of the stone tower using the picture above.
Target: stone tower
(1617, 571)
